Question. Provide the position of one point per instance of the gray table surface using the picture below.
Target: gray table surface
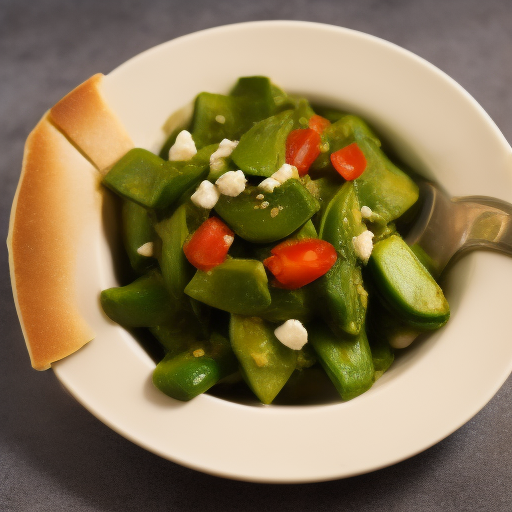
(56, 456)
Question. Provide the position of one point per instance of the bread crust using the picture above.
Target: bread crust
(85, 117)
(56, 200)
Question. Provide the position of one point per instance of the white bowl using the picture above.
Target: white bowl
(435, 386)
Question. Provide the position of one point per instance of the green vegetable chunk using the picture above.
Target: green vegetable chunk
(347, 360)
(258, 95)
(238, 286)
(383, 187)
(342, 286)
(288, 304)
(196, 369)
(143, 303)
(206, 128)
(276, 216)
(266, 363)
(173, 231)
(152, 182)
(218, 117)
(262, 150)
(137, 231)
(406, 286)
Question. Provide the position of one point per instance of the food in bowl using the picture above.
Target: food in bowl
(263, 240)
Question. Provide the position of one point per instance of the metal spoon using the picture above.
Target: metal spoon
(447, 228)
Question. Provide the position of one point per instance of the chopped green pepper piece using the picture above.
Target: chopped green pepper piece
(383, 187)
(206, 128)
(266, 364)
(342, 286)
(143, 303)
(276, 216)
(262, 150)
(218, 117)
(257, 91)
(173, 232)
(196, 369)
(152, 182)
(237, 286)
(406, 286)
(347, 360)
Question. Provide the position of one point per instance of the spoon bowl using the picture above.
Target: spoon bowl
(446, 228)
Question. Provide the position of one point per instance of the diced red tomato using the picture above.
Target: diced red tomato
(296, 264)
(302, 148)
(209, 244)
(349, 161)
(318, 123)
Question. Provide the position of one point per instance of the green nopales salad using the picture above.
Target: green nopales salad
(263, 244)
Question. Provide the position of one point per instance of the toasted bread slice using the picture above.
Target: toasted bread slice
(85, 117)
(56, 201)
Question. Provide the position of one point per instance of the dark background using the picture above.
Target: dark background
(54, 455)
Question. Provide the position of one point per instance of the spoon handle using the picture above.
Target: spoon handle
(489, 224)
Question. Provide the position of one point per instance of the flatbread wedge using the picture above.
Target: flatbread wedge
(57, 199)
(86, 118)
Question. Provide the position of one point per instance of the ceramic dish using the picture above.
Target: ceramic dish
(434, 387)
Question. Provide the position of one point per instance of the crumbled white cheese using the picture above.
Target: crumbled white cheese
(285, 172)
(292, 334)
(366, 212)
(146, 249)
(220, 119)
(225, 149)
(269, 184)
(184, 147)
(363, 245)
(231, 183)
(206, 195)
(264, 204)
(260, 197)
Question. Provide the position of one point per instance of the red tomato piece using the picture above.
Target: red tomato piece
(318, 123)
(296, 264)
(302, 148)
(209, 244)
(349, 161)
